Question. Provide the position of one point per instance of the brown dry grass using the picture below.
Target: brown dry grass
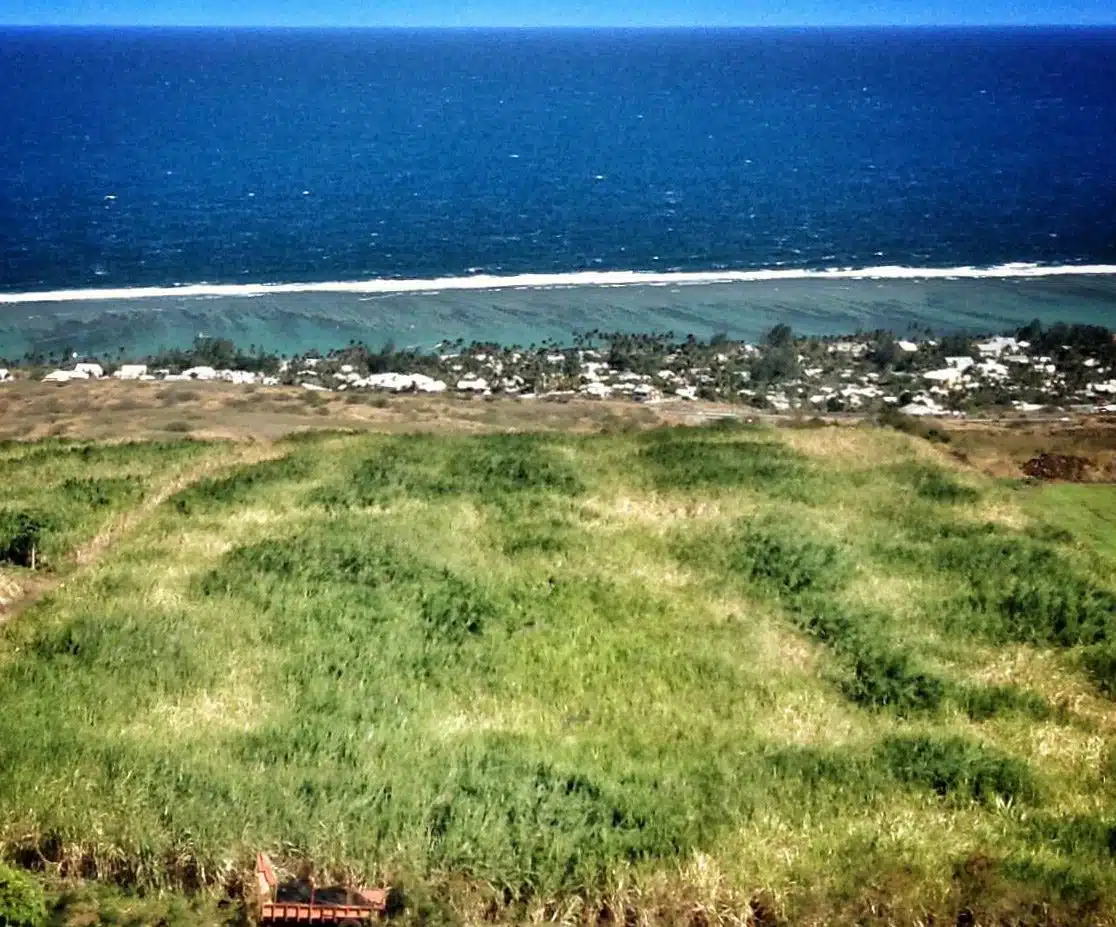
(110, 410)
(1002, 449)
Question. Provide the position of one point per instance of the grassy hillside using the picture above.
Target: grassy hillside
(826, 676)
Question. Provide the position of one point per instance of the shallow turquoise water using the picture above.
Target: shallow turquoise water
(291, 323)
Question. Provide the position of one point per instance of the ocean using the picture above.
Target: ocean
(158, 184)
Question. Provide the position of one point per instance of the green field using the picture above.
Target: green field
(804, 676)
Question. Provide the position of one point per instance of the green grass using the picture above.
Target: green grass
(526, 677)
(55, 494)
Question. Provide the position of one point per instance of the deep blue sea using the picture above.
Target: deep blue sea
(165, 158)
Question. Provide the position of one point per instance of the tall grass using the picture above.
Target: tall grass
(526, 676)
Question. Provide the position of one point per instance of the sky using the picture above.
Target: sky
(554, 12)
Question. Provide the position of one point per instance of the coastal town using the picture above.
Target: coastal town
(1031, 371)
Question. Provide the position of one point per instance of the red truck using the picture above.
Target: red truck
(303, 903)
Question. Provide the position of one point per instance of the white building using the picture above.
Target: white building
(131, 372)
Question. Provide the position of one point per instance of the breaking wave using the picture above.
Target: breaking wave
(603, 278)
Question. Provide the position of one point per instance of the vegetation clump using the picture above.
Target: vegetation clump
(21, 535)
(957, 768)
(735, 460)
(785, 560)
(1027, 590)
(241, 483)
(21, 900)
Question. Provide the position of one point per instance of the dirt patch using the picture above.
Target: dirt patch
(109, 410)
(10, 590)
(1064, 467)
(1006, 449)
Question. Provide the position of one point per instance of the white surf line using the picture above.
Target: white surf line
(605, 278)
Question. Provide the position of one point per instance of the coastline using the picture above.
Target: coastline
(1048, 370)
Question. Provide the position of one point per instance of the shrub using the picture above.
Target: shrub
(453, 608)
(936, 484)
(886, 678)
(512, 464)
(984, 702)
(784, 559)
(818, 768)
(492, 468)
(314, 557)
(1100, 662)
(1027, 591)
(687, 460)
(881, 676)
(1078, 834)
(21, 533)
(99, 493)
(212, 492)
(890, 417)
(21, 900)
(696, 462)
(957, 767)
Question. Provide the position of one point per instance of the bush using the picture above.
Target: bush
(886, 678)
(99, 493)
(1100, 662)
(212, 492)
(956, 767)
(21, 532)
(491, 468)
(818, 768)
(1027, 591)
(935, 484)
(987, 702)
(685, 459)
(890, 417)
(881, 676)
(783, 559)
(453, 609)
(512, 464)
(21, 900)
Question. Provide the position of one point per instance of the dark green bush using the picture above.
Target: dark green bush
(1065, 610)
(687, 459)
(958, 768)
(1100, 662)
(541, 536)
(490, 467)
(500, 464)
(21, 900)
(984, 702)
(313, 557)
(890, 417)
(1025, 590)
(880, 676)
(453, 608)
(1075, 835)
(1066, 881)
(786, 560)
(21, 532)
(886, 678)
(820, 768)
(935, 484)
(100, 493)
(218, 492)
(552, 826)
